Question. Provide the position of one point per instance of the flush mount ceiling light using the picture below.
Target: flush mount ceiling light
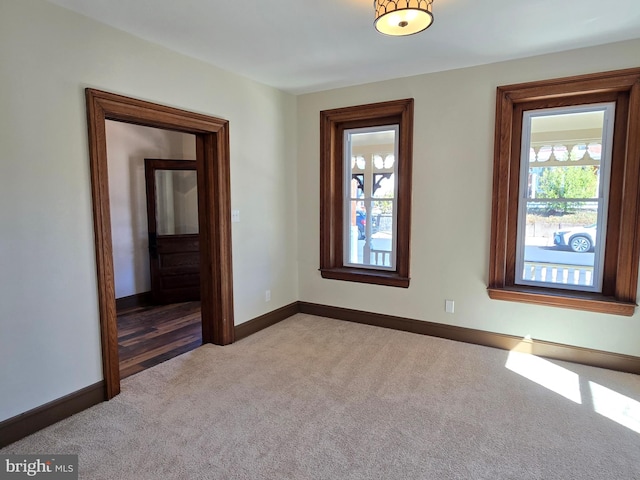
(402, 17)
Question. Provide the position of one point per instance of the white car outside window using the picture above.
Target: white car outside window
(578, 239)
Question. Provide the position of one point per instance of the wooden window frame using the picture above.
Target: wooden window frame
(333, 123)
(622, 250)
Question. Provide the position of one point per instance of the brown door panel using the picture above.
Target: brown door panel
(174, 255)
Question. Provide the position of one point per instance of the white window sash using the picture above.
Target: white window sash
(602, 199)
(368, 199)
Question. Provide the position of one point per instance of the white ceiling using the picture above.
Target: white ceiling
(302, 46)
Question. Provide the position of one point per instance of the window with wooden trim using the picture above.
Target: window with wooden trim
(365, 192)
(566, 193)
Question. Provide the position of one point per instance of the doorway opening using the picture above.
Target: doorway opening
(214, 216)
(153, 200)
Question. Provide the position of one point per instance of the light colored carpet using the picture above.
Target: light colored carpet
(315, 398)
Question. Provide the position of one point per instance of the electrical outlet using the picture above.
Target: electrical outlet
(448, 306)
(235, 216)
(267, 295)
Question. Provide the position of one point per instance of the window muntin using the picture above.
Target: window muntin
(563, 202)
(369, 191)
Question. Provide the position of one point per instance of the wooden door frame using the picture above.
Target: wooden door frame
(214, 215)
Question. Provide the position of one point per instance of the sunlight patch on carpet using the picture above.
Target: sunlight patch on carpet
(549, 375)
(615, 406)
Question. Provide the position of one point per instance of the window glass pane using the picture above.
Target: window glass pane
(370, 206)
(176, 202)
(559, 247)
(563, 208)
(357, 185)
(382, 240)
(384, 185)
(357, 228)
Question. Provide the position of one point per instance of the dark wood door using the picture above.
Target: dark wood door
(174, 245)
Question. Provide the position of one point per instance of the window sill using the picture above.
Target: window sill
(362, 275)
(591, 302)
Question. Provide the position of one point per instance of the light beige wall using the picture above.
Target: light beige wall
(452, 181)
(50, 340)
(127, 147)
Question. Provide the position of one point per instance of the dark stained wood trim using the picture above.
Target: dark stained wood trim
(618, 173)
(556, 351)
(263, 321)
(629, 245)
(612, 81)
(577, 301)
(138, 300)
(622, 253)
(365, 275)
(501, 175)
(15, 428)
(220, 209)
(104, 250)
(212, 156)
(333, 123)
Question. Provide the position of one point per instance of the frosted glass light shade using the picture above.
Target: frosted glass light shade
(402, 17)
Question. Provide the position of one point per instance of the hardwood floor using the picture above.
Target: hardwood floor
(149, 335)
